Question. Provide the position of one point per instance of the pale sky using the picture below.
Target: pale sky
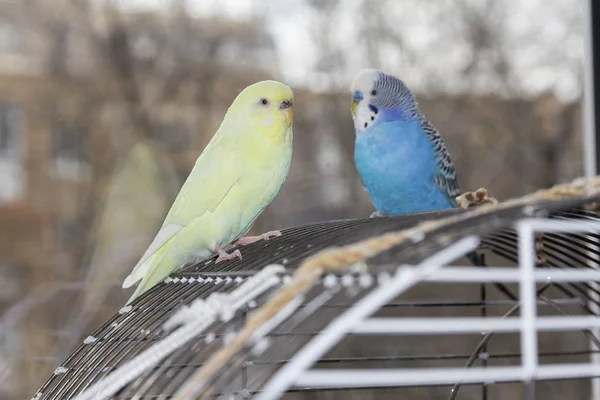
(545, 23)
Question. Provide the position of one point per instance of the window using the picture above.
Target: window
(144, 46)
(67, 233)
(10, 38)
(70, 151)
(68, 142)
(175, 135)
(12, 172)
(9, 129)
(59, 55)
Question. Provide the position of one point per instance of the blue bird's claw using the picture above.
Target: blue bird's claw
(377, 214)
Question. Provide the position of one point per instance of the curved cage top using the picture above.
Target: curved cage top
(217, 331)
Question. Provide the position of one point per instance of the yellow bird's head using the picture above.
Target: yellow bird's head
(267, 105)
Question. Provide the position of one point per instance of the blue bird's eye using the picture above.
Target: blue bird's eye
(373, 92)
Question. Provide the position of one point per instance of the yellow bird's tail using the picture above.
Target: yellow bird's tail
(152, 275)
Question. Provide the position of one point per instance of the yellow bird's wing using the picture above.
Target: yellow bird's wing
(211, 179)
(216, 172)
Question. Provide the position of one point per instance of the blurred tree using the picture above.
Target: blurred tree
(135, 203)
(135, 95)
(132, 98)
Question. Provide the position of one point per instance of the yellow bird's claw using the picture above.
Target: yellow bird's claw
(224, 256)
(251, 239)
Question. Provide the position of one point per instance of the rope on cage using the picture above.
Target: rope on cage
(341, 258)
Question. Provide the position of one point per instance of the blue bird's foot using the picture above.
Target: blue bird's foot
(377, 214)
(474, 199)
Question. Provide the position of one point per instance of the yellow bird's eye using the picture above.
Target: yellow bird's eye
(264, 101)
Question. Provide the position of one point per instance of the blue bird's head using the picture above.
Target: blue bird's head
(379, 97)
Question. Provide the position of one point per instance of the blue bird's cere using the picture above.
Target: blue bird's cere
(401, 158)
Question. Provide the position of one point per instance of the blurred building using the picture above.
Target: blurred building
(77, 90)
(62, 109)
(80, 85)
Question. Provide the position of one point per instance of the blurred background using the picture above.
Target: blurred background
(105, 105)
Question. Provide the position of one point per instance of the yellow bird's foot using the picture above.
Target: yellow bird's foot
(251, 239)
(224, 256)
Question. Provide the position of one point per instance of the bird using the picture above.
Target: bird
(401, 158)
(234, 179)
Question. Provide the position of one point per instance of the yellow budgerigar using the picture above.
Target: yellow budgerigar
(237, 175)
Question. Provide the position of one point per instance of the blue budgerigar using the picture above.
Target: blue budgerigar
(401, 158)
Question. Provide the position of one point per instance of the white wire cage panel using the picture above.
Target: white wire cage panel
(357, 320)
(490, 308)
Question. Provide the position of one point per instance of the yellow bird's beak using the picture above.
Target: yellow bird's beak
(288, 113)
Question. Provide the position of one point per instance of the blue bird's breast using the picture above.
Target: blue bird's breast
(397, 165)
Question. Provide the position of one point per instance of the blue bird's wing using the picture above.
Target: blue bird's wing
(446, 178)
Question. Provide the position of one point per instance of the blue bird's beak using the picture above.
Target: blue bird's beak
(356, 98)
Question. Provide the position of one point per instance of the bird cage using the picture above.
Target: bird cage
(493, 302)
